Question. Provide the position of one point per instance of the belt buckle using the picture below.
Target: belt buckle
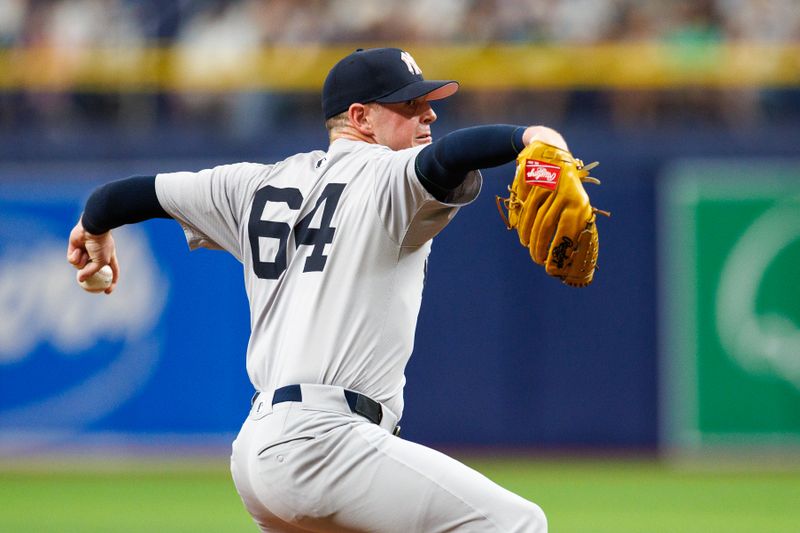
(396, 431)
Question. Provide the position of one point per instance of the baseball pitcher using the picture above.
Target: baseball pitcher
(334, 246)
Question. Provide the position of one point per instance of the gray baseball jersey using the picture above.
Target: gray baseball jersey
(334, 247)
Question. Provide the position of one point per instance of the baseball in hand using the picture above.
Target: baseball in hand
(99, 281)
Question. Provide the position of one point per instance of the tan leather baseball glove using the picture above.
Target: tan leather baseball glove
(550, 210)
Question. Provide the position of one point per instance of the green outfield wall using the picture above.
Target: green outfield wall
(730, 258)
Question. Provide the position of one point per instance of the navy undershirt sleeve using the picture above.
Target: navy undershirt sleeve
(443, 165)
(121, 202)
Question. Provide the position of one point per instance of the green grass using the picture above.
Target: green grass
(585, 496)
(121, 500)
(646, 496)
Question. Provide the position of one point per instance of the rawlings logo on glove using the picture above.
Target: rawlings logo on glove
(550, 210)
(542, 174)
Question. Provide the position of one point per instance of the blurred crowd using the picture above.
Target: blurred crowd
(133, 22)
(205, 25)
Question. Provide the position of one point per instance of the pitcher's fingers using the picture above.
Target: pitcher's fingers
(115, 267)
(78, 258)
(76, 240)
(114, 264)
(74, 253)
(73, 256)
(83, 260)
(89, 269)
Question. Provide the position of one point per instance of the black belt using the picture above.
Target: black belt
(358, 403)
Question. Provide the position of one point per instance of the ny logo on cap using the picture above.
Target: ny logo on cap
(413, 68)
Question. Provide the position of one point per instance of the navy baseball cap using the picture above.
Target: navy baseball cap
(385, 75)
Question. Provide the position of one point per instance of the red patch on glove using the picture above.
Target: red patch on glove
(541, 174)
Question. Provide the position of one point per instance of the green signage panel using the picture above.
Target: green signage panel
(729, 236)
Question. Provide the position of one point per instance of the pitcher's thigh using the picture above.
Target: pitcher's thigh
(398, 486)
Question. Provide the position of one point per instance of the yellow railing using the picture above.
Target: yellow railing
(499, 66)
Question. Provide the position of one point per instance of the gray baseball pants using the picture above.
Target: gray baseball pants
(316, 466)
